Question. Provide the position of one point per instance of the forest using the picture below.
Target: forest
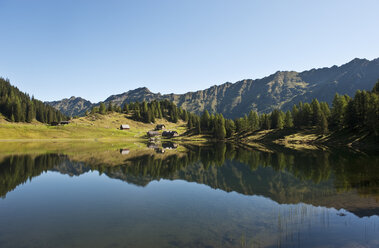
(358, 113)
(17, 106)
(146, 112)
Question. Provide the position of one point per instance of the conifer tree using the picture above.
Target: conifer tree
(253, 120)
(205, 120)
(102, 108)
(288, 121)
(323, 124)
(230, 128)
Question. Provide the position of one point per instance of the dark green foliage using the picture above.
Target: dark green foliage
(288, 121)
(265, 122)
(323, 124)
(17, 106)
(361, 112)
(277, 119)
(205, 120)
(148, 112)
(338, 113)
(253, 120)
(219, 127)
(102, 109)
(230, 128)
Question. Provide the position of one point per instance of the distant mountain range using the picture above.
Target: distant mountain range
(280, 90)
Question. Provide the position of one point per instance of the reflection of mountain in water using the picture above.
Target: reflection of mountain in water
(339, 180)
(71, 168)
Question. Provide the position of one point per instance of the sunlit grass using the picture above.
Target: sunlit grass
(89, 127)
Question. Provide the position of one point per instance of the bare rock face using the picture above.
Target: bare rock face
(280, 90)
(72, 106)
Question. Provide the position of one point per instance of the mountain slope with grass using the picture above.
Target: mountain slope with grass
(89, 127)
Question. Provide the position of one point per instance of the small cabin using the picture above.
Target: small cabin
(65, 122)
(124, 127)
(124, 151)
(160, 127)
(152, 133)
(170, 134)
(169, 145)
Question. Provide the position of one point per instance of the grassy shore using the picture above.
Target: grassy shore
(106, 128)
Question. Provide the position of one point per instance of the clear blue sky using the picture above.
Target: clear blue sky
(55, 49)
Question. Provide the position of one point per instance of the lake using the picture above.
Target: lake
(182, 195)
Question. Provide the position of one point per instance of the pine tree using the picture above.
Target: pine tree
(93, 110)
(205, 120)
(323, 124)
(288, 121)
(110, 107)
(316, 112)
(306, 114)
(229, 128)
(277, 120)
(219, 129)
(338, 111)
(296, 116)
(30, 112)
(253, 120)
(102, 108)
(198, 125)
(190, 123)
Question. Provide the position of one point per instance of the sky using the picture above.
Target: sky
(55, 49)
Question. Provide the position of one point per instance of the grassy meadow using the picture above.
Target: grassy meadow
(89, 127)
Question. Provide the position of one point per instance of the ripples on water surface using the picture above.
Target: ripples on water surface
(129, 195)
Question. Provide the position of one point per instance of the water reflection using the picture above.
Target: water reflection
(341, 180)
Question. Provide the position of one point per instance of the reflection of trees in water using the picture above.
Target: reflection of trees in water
(17, 169)
(221, 166)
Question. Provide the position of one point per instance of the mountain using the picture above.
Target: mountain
(72, 106)
(279, 90)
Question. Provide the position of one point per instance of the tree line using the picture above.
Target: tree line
(17, 106)
(358, 113)
(146, 111)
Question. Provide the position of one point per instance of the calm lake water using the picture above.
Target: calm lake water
(189, 196)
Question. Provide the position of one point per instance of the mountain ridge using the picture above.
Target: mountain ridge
(280, 90)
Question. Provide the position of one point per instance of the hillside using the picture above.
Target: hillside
(279, 90)
(17, 106)
(89, 127)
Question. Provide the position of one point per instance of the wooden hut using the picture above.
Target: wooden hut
(170, 134)
(65, 122)
(124, 127)
(160, 127)
(124, 151)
